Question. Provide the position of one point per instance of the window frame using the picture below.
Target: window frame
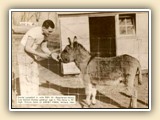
(133, 19)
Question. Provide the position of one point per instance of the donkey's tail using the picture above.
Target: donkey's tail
(139, 71)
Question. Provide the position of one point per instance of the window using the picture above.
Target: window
(127, 24)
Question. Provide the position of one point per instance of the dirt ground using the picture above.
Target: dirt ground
(52, 83)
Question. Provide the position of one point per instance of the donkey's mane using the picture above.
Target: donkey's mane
(78, 45)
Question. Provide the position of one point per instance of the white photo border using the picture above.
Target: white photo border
(77, 10)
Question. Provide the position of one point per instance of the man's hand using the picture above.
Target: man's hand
(54, 56)
(42, 56)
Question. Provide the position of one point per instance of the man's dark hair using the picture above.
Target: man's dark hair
(48, 23)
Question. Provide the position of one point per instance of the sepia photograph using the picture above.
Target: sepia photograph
(80, 59)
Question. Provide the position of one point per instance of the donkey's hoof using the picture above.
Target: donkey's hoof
(132, 107)
(93, 102)
(85, 104)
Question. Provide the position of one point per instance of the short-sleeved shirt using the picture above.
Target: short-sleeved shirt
(36, 33)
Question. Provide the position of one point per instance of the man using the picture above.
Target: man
(28, 57)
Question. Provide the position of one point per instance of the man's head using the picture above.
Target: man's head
(48, 27)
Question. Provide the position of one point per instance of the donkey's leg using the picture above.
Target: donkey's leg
(132, 91)
(88, 89)
(88, 92)
(94, 92)
(133, 103)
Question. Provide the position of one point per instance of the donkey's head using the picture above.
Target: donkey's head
(69, 52)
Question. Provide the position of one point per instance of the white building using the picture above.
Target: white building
(107, 34)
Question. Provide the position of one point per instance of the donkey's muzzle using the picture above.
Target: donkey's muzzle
(62, 58)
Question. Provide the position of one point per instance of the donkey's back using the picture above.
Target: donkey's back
(114, 69)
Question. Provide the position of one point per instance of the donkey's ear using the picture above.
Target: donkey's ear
(75, 39)
(70, 42)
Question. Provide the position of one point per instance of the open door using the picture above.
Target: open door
(102, 36)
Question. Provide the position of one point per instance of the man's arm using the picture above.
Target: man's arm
(28, 48)
(45, 48)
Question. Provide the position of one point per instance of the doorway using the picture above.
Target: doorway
(102, 36)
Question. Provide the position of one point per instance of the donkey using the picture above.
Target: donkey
(103, 71)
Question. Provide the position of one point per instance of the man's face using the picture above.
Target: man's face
(47, 31)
